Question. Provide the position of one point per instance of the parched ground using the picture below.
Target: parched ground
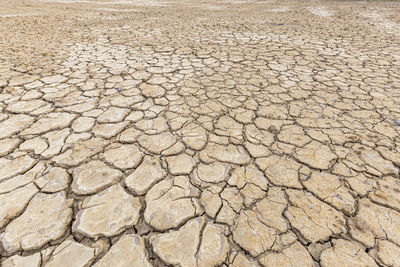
(199, 133)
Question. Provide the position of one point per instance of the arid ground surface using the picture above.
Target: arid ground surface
(199, 133)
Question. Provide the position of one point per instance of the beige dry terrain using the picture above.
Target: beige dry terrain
(199, 133)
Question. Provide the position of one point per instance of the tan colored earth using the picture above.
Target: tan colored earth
(199, 133)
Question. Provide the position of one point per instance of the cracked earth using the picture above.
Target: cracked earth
(199, 133)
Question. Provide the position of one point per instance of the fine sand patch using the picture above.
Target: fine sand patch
(280, 9)
(12, 15)
(321, 11)
(130, 2)
(118, 10)
(380, 21)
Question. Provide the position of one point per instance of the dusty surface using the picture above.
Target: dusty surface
(199, 133)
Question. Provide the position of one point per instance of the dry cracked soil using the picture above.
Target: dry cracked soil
(199, 133)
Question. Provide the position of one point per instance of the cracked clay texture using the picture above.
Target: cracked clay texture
(202, 133)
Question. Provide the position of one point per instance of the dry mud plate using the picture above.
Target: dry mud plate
(199, 133)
